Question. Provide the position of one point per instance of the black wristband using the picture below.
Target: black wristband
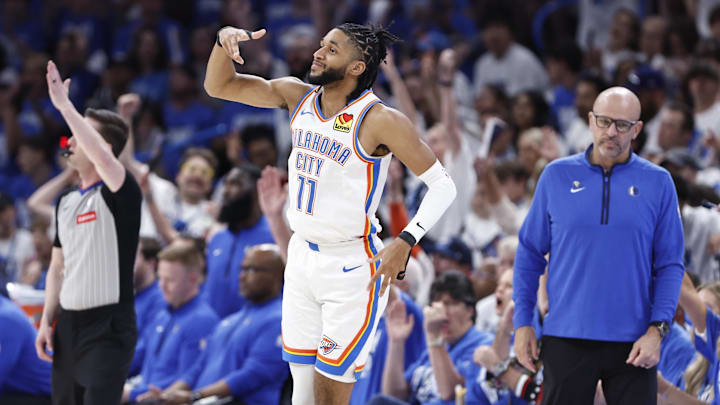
(408, 238)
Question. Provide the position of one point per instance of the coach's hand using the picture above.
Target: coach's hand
(230, 37)
(526, 347)
(44, 338)
(394, 259)
(645, 352)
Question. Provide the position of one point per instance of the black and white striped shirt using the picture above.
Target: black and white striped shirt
(98, 233)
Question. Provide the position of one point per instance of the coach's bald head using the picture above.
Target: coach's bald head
(614, 123)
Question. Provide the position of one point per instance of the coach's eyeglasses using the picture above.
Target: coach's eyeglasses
(259, 269)
(621, 125)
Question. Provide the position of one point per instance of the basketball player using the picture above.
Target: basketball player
(342, 137)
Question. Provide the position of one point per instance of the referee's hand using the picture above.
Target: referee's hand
(44, 339)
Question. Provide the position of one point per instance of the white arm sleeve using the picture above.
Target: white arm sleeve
(441, 193)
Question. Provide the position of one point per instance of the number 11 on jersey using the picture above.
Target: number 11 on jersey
(312, 184)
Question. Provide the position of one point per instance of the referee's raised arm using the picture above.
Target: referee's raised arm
(100, 153)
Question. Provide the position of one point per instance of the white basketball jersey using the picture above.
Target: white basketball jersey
(335, 186)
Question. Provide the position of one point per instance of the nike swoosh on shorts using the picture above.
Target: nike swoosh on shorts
(345, 269)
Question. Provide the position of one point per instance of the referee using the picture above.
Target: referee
(89, 288)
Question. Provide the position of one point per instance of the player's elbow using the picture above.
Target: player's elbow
(448, 188)
(210, 88)
(213, 85)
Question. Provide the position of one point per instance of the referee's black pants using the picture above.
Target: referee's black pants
(572, 368)
(93, 352)
(23, 399)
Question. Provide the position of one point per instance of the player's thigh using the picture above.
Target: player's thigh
(350, 313)
(301, 312)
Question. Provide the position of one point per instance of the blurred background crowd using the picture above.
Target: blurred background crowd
(497, 89)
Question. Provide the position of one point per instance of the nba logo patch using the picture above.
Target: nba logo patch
(633, 191)
(327, 345)
(343, 122)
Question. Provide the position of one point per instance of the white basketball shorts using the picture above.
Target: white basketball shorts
(329, 317)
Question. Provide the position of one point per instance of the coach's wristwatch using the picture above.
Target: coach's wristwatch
(663, 327)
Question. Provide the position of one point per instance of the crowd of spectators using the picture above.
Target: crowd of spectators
(497, 89)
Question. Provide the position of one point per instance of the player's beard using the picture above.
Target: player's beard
(327, 77)
(237, 210)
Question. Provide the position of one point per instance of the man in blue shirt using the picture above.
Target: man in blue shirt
(148, 296)
(243, 358)
(613, 281)
(177, 335)
(451, 340)
(246, 226)
(23, 376)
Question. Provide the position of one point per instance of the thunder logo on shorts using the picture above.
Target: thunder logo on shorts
(327, 345)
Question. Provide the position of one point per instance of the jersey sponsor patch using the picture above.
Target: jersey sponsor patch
(86, 217)
(327, 345)
(343, 122)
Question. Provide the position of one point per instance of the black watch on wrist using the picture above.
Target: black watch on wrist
(663, 327)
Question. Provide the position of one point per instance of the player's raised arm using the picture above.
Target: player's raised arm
(221, 80)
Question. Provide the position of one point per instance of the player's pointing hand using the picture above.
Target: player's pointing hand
(230, 37)
(394, 258)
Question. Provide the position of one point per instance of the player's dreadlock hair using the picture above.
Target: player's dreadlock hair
(373, 43)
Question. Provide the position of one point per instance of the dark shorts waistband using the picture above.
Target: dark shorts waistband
(99, 312)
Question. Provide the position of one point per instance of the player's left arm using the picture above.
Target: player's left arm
(108, 167)
(387, 126)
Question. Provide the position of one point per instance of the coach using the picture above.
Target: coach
(610, 222)
(89, 287)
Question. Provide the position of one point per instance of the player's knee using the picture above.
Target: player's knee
(333, 389)
(348, 377)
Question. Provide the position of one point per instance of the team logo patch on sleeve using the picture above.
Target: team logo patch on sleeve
(327, 345)
(86, 217)
(343, 122)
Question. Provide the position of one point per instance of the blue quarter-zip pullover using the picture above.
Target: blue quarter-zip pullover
(616, 245)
